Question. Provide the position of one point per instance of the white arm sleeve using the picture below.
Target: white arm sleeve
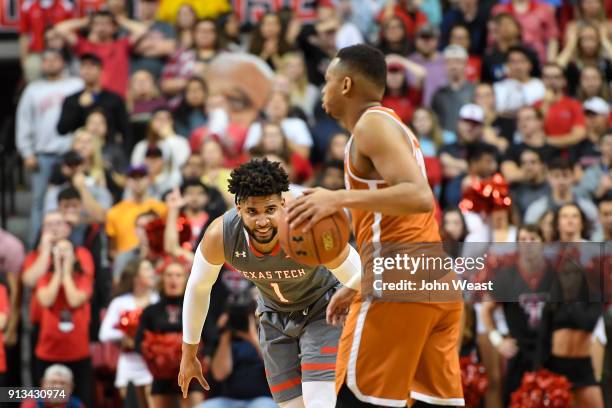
(108, 332)
(349, 271)
(197, 297)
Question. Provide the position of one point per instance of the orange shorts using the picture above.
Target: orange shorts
(394, 352)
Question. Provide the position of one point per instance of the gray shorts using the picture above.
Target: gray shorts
(298, 347)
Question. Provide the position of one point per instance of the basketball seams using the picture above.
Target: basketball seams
(315, 244)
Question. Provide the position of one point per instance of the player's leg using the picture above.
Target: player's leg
(319, 394)
(319, 346)
(281, 353)
(437, 381)
(384, 352)
(297, 402)
(346, 399)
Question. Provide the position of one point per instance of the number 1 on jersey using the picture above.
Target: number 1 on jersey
(278, 292)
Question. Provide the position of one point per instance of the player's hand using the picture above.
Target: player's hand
(338, 306)
(314, 205)
(190, 368)
(508, 348)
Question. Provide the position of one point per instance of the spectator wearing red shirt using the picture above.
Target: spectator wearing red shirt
(103, 42)
(274, 141)
(11, 260)
(538, 23)
(401, 96)
(35, 17)
(408, 11)
(564, 121)
(63, 294)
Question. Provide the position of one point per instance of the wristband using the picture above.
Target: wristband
(495, 338)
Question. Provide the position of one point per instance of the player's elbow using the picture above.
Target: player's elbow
(423, 201)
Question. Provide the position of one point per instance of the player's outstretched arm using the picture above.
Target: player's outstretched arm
(206, 266)
(347, 269)
(383, 143)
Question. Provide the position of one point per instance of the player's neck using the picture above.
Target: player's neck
(265, 248)
(353, 114)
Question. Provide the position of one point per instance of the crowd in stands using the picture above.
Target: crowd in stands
(132, 115)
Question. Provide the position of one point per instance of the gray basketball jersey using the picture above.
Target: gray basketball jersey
(284, 284)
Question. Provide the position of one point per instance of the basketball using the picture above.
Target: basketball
(321, 244)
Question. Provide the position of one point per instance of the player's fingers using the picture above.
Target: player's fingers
(203, 382)
(299, 219)
(291, 205)
(294, 212)
(329, 314)
(184, 386)
(313, 217)
(308, 191)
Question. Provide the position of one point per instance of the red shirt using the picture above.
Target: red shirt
(4, 309)
(563, 116)
(115, 56)
(68, 341)
(404, 105)
(34, 19)
(473, 68)
(412, 21)
(236, 133)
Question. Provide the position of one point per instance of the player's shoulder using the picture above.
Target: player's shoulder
(379, 122)
(215, 229)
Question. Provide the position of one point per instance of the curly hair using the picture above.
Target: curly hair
(258, 178)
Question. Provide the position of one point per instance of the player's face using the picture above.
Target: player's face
(333, 90)
(260, 216)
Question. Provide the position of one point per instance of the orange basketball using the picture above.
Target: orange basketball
(321, 244)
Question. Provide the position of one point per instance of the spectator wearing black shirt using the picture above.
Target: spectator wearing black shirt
(587, 152)
(318, 43)
(453, 156)
(482, 164)
(520, 287)
(474, 17)
(76, 107)
(508, 34)
(163, 317)
(596, 182)
(531, 132)
(561, 180)
(236, 357)
(532, 185)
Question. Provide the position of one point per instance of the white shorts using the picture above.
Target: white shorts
(599, 333)
(131, 368)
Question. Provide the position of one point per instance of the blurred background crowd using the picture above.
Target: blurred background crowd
(129, 115)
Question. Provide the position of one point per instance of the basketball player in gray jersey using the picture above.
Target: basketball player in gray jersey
(298, 345)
